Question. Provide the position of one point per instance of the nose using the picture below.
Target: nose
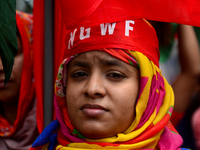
(95, 86)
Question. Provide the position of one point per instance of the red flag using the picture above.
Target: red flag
(38, 59)
(101, 11)
(38, 46)
(59, 38)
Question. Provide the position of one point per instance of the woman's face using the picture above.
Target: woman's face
(101, 93)
(9, 93)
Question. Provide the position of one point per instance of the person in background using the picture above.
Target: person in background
(17, 98)
(180, 62)
(189, 57)
(186, 83)
(195, 123)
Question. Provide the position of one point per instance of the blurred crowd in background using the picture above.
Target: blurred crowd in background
(25, 5)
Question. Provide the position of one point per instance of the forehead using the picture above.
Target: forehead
(98, 57)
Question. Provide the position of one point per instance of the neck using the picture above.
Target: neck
(10, 112)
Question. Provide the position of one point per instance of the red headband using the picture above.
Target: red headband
(89, 14)
(135, 35)
(95, 24)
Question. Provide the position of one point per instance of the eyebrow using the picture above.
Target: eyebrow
(102, 62)
(111, 63)
(79, 63)
(114, 62)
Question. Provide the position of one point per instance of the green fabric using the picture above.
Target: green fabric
(8, 36)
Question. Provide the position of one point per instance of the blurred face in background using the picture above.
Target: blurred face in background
(9, 93)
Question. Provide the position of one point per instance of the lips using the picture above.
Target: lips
(93, 110)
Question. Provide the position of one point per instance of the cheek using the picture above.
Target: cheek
(72, 96)
(126, 105)
(70, 101)
(17, 67)
(125, 95)
(125, 111)
(125, 98)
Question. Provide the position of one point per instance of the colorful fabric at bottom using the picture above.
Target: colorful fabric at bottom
(48, 141)
(150, 129)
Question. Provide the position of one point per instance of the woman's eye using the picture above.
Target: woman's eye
(116, 75)
(79, 74)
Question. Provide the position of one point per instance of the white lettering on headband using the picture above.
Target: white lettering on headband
(82, 37)
(103, 27)
(110, 28)
(71, 40)
(128, 27)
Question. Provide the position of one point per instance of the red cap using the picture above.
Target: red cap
(92, 26)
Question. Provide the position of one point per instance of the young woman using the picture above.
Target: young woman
(110, 93)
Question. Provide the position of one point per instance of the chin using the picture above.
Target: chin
(96, 129)
(96, 134)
